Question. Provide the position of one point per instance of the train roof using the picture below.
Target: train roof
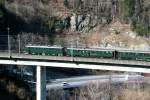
(119, 50)
(134, 51)
(93, 49)
(35, 46)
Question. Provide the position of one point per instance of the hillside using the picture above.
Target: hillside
(93, 22)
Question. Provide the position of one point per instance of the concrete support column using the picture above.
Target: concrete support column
(40, 83)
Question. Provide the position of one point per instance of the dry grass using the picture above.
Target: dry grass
(106, 91)
(129, 94)
(93, 39)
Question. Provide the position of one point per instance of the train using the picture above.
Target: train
(88, 52)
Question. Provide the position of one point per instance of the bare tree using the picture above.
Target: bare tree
(55, 94)
(95, 91)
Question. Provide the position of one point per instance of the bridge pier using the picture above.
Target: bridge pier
(40, 83)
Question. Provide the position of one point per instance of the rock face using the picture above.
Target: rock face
(73, 23)
(84, 14)
(126, 17)
(80, 23)
(125, 41)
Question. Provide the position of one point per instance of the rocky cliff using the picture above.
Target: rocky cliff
(89, 20)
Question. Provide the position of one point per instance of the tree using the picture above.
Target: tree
(66, 3)
(95, 91)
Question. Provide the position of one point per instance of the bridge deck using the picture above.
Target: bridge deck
(75, 59)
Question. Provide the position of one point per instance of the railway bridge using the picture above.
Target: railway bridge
(69, 62)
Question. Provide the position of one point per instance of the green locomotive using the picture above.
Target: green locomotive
(88, 52)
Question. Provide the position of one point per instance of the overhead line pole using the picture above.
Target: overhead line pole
(19, 43)
(9, 45)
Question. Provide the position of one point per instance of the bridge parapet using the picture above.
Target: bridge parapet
(77, 60)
